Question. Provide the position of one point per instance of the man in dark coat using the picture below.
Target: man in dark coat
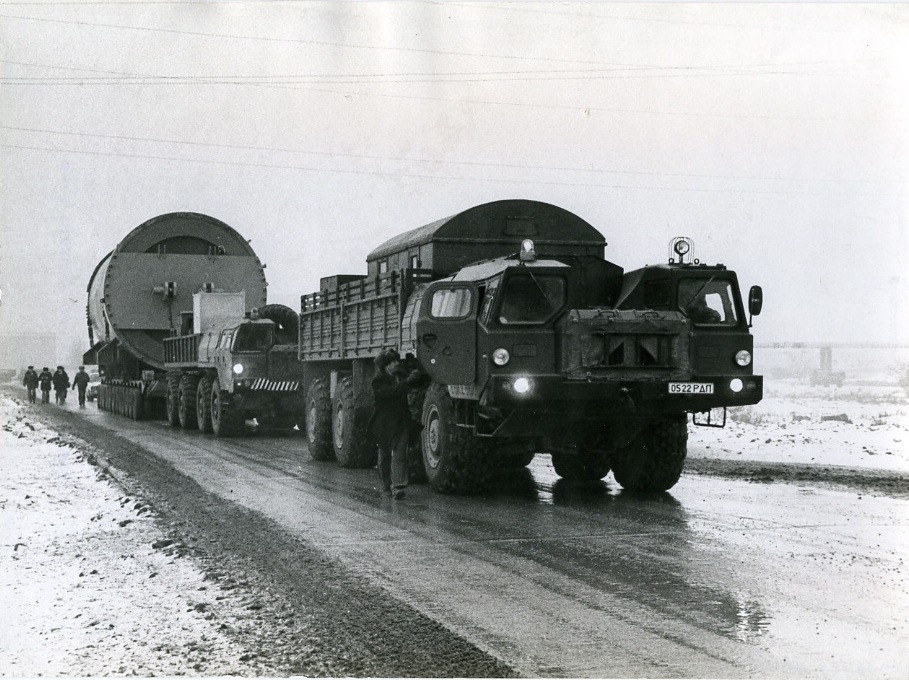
(80, 382)
(30, 380)
(61, 384)
(390, 424)
(45, 378)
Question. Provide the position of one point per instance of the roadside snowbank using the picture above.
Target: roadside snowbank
(859, 426)
(88, 584)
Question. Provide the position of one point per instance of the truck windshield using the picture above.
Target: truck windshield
(708, 301)
(531, 298)
(254, 337)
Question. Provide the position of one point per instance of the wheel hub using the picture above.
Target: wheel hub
(434, 439)
(339, 428)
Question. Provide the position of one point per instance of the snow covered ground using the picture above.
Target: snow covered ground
(856, 425)
(90, 585)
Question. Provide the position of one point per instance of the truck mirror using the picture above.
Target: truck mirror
(755, 300)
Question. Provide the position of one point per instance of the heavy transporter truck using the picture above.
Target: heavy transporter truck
(178, 326)
(533, 343)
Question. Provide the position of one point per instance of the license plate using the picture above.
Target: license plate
(690, 388)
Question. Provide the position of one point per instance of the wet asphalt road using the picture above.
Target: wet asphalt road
(715, 579)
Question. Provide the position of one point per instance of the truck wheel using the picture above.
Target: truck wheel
(582, 466)
(173, 399)
(225, 421)
(654, 460)
(318, 421)
(514, 460)
(203, 405)
(454, 459)
(186, 403)
(348, 429)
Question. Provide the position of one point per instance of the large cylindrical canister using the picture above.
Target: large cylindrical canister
(138, 292)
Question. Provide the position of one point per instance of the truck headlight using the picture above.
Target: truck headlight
(238, 369)
(743, 357)
(500, 357)
(522, 386)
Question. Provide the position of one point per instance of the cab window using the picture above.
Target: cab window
(531, 298)
(254, 338)
(489, 296)
(451, 303)
(225, 340)
(708, 301)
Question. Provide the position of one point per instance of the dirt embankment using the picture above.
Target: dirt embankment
(860, 480)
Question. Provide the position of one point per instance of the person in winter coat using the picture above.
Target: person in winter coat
(390, 424)
(45, 379)
(30, 380)
(61, 384)
(80, 382)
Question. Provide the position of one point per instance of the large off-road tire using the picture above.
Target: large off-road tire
(583, 466)
(511, 454)
(287, 323)
(186, 402)
(653, 461)
(225, 421)
(203, 405)
(173, 400)
(453, 457)
(352, 445)
(318, 421)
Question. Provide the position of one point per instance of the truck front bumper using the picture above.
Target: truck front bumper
(701, 393)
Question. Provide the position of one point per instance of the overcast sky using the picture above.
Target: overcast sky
(776, 136)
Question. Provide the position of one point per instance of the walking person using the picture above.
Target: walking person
(45, 379)
(61, 384)
(80, 382)
(30, 380)
(390, 423)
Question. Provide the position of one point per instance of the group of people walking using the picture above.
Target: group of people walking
(59, 380)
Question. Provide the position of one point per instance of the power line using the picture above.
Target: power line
(322, 43)
(345, 171)
(509, 166)
(489, 102)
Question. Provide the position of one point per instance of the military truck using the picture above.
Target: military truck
(534, 343)
(179, 327)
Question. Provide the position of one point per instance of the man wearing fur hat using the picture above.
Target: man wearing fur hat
(391, 424)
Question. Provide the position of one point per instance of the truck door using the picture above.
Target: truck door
(447, 332)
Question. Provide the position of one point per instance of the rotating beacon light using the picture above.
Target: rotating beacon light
(681, 247)
(528, 253)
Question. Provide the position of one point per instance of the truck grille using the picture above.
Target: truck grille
(637, 350)
(625, 344)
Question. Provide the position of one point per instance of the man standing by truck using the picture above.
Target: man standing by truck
(391, 424)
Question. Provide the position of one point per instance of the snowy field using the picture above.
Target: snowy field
(863, 424)
(89, 585)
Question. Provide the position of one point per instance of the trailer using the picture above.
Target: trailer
(179, 328)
